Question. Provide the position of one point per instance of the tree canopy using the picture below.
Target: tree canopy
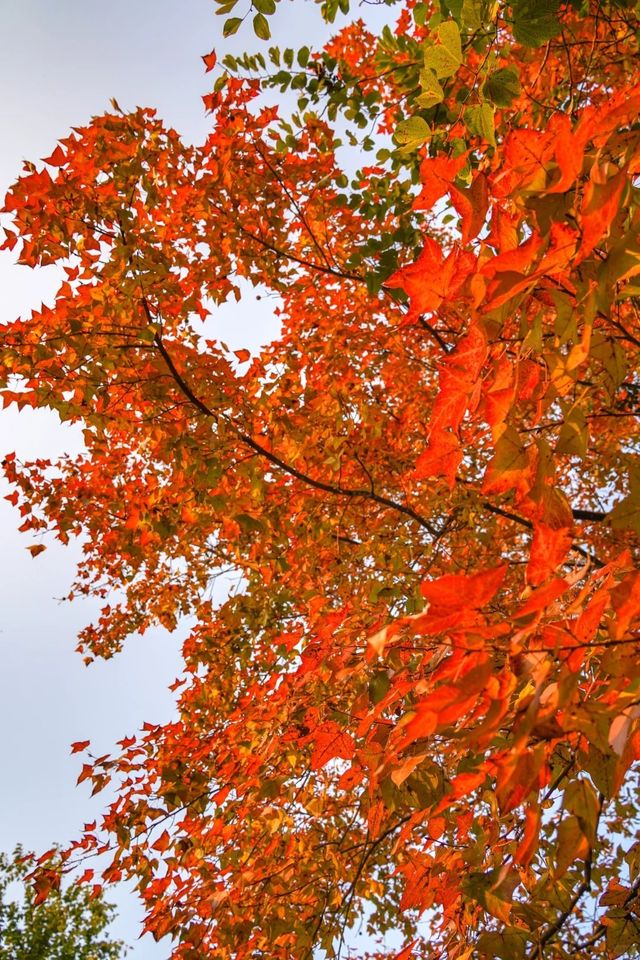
(70, 925)
(419, 711)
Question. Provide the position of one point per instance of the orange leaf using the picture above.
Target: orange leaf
(542, 597)
(375, 818)
(473, 592)
(437, 175)
(36, 549)
(472, 204)
(432, 277)
(210, 60)
(57, 159)
(331, 741)
(407, 952)
(600, 204)
(162, 843)
(527, 846)
(422, 724)
(441, 458)
(549, 548)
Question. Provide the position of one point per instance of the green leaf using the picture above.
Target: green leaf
(621, 933)
(570, 845)
(445, 57)
(329, 9)
(265, 6)
(249, 524)
(432, 92)
(378, 686)
(612, 357)
(231, 26)
(574, 435)
(415, 130)
(502, 86)
(626, 514)
(449, 37)
(507, 944)
(622, 263)
(535, 21)
(581, 799)
(261, 26)
(508, 463)
(471, 14)
(420, 14)
(479, 122)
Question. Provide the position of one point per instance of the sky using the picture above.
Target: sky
(61, 64)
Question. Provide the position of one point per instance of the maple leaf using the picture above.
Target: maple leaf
(549, 547)
(432, 277)
(429, 515)
(477, 589)
(210, 60)
(600, 204)
(441, 457)
(437, 175)
(330, 742)
(36, 549)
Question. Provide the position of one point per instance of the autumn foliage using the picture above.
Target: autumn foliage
(419, 712)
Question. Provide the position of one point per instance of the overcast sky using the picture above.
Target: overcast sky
(61, 63)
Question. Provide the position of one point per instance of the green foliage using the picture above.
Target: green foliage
(479, 122)
(413, 131)
(69, 925)
(445, 56)
(535, 21)
(502, 86)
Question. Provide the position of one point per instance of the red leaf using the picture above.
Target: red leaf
(210, 60)
(441, 458)
(625, 599)
(432, 277)
(331, 741)
(472, 204)
(407, 952)
(600, 204)
(162, 843)
(42, 886)
(455, 590)
(57, 159)
(422, 724)
(437, 175)
(528, 844)
(568, 153)
(549, 547)
(542, 597)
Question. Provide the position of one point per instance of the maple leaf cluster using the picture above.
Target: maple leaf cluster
(420, 709)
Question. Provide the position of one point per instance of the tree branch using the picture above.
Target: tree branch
(273, 458)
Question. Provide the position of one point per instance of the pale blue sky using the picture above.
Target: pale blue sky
(61, 62)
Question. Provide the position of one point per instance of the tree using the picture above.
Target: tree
(70, 925)
(420, 709)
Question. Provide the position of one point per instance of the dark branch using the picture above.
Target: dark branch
(274, 458)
